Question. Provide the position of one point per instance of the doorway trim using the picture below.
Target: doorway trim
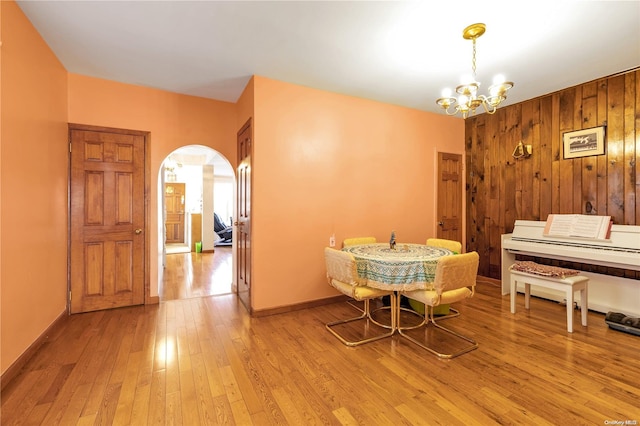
(161, 211)
(443, 203)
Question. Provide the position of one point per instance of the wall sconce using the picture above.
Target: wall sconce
(521, 151)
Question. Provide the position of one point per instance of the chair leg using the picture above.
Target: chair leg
(356, 304)
(366, 316)
(468, 348)
(353, 303)
(455, 313)
(399, 310)
(395, 309)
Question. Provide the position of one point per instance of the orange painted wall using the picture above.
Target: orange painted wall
(174, 120)
(244, 105)
(33, 181)
(323, 164)
(328, 164)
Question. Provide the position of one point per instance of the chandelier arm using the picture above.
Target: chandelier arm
(487, 108)
(454, 112)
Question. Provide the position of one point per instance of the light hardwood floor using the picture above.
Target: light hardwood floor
(203, 360)
(190, 275)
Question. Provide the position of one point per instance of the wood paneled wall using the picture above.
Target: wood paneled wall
(501, 189)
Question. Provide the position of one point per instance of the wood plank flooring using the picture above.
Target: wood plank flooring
(204, 361)
(190, 275)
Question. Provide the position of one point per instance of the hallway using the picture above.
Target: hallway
(189, 275)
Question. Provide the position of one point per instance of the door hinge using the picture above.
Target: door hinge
(69, 295)
(69, 146)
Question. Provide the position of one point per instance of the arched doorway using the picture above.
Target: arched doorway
(195, 192)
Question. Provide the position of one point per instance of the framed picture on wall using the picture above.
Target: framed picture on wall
(584, 143)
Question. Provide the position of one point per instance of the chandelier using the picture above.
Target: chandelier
(469, 99)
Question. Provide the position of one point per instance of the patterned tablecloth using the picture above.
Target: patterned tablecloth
(408, 267)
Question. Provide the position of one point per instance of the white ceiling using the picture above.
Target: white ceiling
(197, 155)
(397, 52)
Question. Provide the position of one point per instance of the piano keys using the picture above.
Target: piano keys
(606, 292)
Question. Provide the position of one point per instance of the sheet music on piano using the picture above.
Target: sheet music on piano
(578, 226)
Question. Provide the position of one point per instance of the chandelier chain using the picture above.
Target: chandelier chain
(473, 60)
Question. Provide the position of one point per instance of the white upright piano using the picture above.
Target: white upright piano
(606, 292)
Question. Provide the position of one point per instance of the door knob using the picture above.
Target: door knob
(138, 231)
(238, 223)
(440, 223)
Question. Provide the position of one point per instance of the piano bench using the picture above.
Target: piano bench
(569, 285)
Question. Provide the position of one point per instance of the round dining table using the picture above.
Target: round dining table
(404, 268)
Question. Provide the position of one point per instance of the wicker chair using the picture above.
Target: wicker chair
(455, 280)
(454, 246)
(342, 275)
(445, 311)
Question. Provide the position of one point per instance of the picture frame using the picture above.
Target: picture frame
(583, 143)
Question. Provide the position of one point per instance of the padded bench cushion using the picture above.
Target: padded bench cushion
(542, 270)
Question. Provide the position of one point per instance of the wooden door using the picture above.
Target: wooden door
(243, 223)
(174, 212)
(450, 197)
(107, 218)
